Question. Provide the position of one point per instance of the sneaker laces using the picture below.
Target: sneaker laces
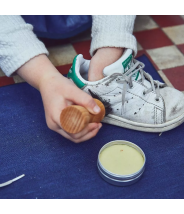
(126, 79)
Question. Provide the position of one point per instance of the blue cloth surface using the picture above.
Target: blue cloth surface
(58, 26)
(57, 168)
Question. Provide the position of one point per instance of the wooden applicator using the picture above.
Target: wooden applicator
(75, 118)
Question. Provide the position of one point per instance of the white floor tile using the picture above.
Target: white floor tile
(62, 55)
(176, 33)
(166, 57)
(18, 79)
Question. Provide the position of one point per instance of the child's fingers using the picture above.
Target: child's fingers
(79, 137)
(88, 136)
(83, 138)
(90, 127)
(80, 97)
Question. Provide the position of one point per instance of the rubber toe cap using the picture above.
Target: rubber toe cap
(174, 102)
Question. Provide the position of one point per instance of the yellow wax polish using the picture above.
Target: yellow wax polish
(121, 159)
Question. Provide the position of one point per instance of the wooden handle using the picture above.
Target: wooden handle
(75, 118)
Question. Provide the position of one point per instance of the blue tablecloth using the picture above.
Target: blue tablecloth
(57, 168)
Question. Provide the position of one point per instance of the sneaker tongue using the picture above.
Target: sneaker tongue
(121, 66)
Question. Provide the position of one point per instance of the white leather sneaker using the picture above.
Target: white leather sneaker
(132, 98)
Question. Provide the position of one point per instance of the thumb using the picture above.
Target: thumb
(83, 99)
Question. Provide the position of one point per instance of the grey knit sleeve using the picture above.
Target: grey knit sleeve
(18, 43)
(113, 31)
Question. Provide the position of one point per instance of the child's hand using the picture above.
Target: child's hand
(57, 93)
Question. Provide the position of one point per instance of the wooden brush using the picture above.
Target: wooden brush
(75, 118)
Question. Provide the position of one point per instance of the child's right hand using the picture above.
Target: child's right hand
(57, 93)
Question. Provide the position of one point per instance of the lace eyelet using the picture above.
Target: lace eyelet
(157, 100)
(131, 87)
(144, 93)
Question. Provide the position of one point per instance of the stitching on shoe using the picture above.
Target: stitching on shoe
(107, 92)
(164, 110)
(157, 115)
(145, 100)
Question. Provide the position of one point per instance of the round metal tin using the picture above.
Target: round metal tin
(120, 180)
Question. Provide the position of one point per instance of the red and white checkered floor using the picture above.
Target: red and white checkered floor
(161, 38)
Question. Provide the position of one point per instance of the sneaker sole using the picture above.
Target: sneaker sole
(119, 121)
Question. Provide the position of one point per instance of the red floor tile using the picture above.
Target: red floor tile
(167, 21)
(63, 69)
(6, 81)
(176, 77)
(154, 38)
(181, 48)
(83, 48)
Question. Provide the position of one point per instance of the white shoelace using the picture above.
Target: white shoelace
(126, 79)
(11, 181)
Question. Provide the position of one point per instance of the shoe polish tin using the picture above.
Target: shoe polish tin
(121, 163)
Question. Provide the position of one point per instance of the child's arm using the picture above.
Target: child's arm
(18, 43)
(21, 51)
(57, 93)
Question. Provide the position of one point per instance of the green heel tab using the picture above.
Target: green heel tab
(73, 76)
(126, 63)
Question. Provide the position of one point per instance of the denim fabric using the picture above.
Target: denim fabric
(57, 168)
(58, 26)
